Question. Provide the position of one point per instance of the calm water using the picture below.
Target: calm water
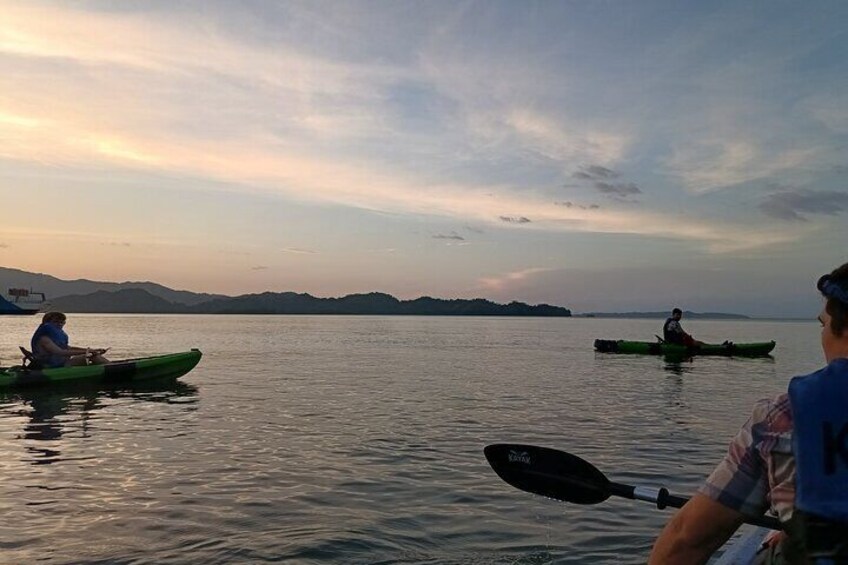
(359, 439)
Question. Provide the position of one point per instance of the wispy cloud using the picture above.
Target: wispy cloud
(798, 204)
(298, 251)
(595, 172)
(514, 219)
(828, 108)
(501, 282)
(570, 204)
(622, 189)
(705, 166)
(563, 142)
(603, 180)
(451, 236)
(259, 268)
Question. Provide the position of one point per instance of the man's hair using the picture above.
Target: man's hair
(676, 311)
(836, 307)
(53, 317)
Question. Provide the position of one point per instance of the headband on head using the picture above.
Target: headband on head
(832, 290)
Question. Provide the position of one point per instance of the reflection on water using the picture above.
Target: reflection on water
(48, 414)
(678, 366)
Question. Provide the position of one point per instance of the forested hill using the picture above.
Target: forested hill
(140, 301)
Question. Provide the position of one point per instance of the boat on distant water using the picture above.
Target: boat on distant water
(22, 302)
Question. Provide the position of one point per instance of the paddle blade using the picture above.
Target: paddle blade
(548, 472)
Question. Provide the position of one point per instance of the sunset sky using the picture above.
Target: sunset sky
(595, 155)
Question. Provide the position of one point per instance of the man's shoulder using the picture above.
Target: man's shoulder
(48, 330)
(774, 412)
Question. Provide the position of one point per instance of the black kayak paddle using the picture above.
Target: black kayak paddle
(566, 477)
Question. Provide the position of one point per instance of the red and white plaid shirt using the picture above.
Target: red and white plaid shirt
(758, 471)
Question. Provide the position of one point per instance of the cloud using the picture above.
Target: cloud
(514, 220)
(795, 204)
(298, 251)
(829, 109)
(593, 172)
(259, 268)
(600, 178)
(474, 229)
(569, 204)
(117, 243)
(563, 142)
(452, 235)
(502, 282)
(4, 246)
(622, 189)
(709, 165)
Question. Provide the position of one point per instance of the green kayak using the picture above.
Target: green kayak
(162, 366)
(729, 349)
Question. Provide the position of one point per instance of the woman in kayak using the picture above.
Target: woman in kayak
(50, 345)
(791, 456)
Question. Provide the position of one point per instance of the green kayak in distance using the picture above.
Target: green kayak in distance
(172, 365)
(728, 349)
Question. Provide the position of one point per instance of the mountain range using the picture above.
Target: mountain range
(83, 295)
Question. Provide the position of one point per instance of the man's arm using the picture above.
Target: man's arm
(50, 346)
(695, 532)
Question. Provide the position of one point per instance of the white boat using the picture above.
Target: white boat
(22, 302)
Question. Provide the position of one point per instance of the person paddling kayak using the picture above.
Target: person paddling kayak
(791, 456)
(51, 349)
(673, 331)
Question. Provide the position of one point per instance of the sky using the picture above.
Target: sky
(597, 155)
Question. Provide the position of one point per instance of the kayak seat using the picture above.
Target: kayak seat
(29, 361)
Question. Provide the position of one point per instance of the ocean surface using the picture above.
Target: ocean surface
(330, 439)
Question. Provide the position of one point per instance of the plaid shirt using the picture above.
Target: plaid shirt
(758, 471)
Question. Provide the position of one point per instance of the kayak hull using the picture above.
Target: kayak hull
(173, 365)
(755, 349)
(742, 550)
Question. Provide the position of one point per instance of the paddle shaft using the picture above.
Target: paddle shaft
(662, 498)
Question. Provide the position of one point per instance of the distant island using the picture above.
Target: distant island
(663, 315)
(374, 303)
(86, 296)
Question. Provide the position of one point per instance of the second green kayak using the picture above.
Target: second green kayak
(729, 349)
(159, 367)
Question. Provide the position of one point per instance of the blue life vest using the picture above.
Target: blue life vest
(57, 336)
(820, 441)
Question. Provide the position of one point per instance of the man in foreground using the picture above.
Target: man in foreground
(791, 456)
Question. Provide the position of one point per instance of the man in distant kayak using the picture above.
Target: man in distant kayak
(673, 331)
(51, 349)
(791, 457)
